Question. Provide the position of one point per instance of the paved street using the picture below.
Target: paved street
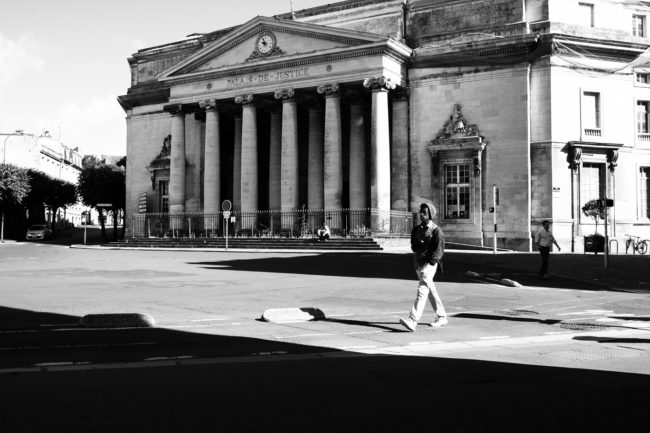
(576, 346)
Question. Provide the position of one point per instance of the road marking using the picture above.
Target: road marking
(279, 337)
(62, 363)
(207, 320)
(365, 332)
(495, 337)
(357, 347)
(607, 319)
(587, 313)
(167, 358)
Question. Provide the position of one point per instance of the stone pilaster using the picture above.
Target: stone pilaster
(333, 152)
(358, 181)
(289, 154)
(212, 166)
(379, 153)
(399, 155)
(249, 192)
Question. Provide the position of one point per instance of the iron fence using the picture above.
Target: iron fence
(293, 223)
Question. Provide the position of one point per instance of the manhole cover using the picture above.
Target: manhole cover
(584, 326)
(518, 313)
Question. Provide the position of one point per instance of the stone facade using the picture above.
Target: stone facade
(384, 104)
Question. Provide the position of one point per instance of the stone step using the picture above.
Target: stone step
(249, 243)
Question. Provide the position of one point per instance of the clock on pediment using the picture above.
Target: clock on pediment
(266, 43)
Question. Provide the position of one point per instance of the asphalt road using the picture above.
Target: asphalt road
(531, 358)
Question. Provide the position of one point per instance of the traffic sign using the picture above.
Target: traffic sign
(226, 205)
(226, 214)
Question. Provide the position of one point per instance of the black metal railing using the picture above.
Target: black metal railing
(293, 223)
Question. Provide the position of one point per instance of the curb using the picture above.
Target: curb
(489, 277)
(124, 320)
(284, 315)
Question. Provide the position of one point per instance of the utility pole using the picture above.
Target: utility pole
(606, 249)
(494, 216)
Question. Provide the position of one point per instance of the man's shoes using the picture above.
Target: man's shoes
(409, 324)
(440, 321)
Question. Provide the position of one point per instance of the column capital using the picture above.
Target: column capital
(330, 89)
(379, 84)
(209, 105)
(285, 95)
(245, 100)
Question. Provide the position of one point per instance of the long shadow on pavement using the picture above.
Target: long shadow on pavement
(391, 266)
(309, 388)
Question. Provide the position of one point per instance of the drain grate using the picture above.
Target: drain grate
(518, 313)
(584, 326)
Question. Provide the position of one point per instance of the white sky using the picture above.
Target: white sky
(64, 62)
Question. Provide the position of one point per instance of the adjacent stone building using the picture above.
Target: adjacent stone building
(382, 104)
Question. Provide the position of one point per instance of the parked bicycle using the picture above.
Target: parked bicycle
(636, 244)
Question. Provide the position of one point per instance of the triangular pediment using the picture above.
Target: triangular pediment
(288, 40)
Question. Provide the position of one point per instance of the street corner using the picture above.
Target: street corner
(117, 320)
(298, 314)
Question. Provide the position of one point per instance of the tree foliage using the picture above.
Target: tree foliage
(102, 183)
(594, 209)
(14, 184)
(48, 191)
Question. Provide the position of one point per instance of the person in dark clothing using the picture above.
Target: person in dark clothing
(428, 246)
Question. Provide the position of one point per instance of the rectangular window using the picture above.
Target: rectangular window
(457, 191)
(586, 14)
(642, 111)
(638, 25)
(642, 78)
(644, 192)
(592, 182)
(591, 112)
(163, 196)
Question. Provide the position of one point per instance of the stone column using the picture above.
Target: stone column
(333, 147)
(379, 154)
(399, 155)
(275, 160)
(212, 168)
(249, 192)
(315, 187)
(236, 162)
(358, 184)
(177, 162)
(289, 154)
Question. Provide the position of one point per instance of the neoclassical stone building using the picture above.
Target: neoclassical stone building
(383, 104)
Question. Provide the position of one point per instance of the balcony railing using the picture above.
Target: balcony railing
(294, 223)
(643, 136)
(593, 132)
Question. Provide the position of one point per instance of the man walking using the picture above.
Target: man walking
(545, 240)
(428, 246)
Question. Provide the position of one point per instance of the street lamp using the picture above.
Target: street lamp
(4, 147)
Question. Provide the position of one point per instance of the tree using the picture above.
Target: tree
(594, 209)
(14, 186)
(50, 192)
(101, 183)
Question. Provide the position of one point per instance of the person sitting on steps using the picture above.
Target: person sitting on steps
(323, 233)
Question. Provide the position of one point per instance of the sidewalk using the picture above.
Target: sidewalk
(625, 272)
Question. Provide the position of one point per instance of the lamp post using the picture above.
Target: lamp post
(4, 147)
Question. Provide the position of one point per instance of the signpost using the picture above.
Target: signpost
(226, 206)
(495, 201)
(84, 215)
(605, 203)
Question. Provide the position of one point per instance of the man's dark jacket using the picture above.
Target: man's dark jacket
(428, 244)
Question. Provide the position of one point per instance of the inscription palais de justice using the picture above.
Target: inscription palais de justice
(267, 77)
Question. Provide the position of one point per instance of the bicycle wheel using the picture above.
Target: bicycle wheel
(642, 247)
